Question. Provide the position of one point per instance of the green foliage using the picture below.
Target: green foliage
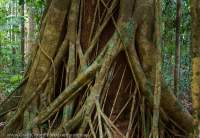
(9, 82)
(169, 36)
(10, 40)
(15, 78)
(38, 7)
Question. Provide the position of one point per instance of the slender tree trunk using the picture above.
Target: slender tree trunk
(178, 51)
(12, 37)
(22, 34)
(158, 80)
(30, 31)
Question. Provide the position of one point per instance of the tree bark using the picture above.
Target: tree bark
(30, 31)
(22, 34)
(178, 51)
(195, 12)
(158, 78)
(108, 52)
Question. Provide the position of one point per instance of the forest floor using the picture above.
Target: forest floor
(185, 100)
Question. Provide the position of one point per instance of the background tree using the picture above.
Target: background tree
(168, 50)
(178, 54)
(10, 37)
(22, 2)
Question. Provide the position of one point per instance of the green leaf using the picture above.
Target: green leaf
(15, 78)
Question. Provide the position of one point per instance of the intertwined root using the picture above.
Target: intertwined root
(101, 90)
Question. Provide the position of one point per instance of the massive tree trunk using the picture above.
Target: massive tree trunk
(195, 12)
(93, 73)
